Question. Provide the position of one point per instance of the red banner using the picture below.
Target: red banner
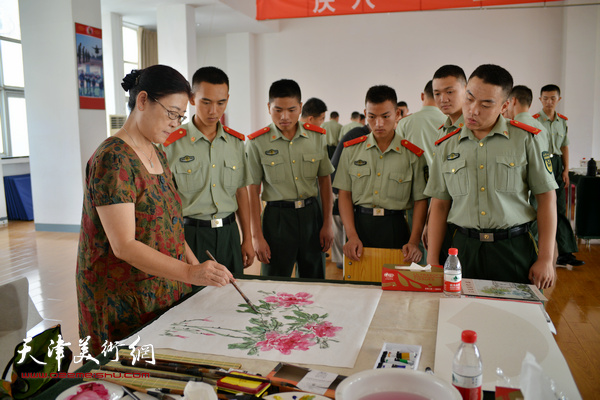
(276, 9)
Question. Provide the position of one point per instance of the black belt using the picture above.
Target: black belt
(377, 212)
(292, 204)
(212, 223)
(499, 234)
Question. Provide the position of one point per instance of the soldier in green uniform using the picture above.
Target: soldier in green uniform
(210, 170)
(556, 125)
(421, 128)
(313, 111)
(354, 123)
(333, 128)
(380, 176)
(480, 182)
(290, 160)
(449, 83)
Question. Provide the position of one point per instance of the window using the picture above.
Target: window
(13, 116)
(130, 51)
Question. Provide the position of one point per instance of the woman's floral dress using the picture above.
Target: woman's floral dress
(114, 297)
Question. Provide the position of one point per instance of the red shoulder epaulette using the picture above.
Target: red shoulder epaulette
(440, 140)
(525, 127)
(234, 133)
(355, 141)
(441, 126)
(562, 116)
(259, 132)
(175, 136)
(536, 116)
(412, 147)
(314, 128)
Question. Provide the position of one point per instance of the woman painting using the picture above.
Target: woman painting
(133, 261)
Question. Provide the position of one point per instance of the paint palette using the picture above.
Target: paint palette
(92, 390)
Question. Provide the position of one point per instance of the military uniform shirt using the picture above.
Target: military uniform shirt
(393, 180)
(348, 127)
(288, 169)
(208, 174)
(333, 129)
(557, 131)
(528, 119)
(488, 180)
(421, 128)
(451, 127)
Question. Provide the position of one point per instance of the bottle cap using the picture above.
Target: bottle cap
(452, 251)
(469, 336)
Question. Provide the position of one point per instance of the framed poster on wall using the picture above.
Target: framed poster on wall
(90, 74)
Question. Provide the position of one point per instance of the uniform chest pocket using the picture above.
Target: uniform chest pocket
(310, 164)
(360, 178)
(274, 168)
(456, 177)
(399, 185)
(509, 173)
(233, 174)
(189, 176)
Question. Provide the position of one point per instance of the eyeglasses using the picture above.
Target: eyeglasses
(172, 114)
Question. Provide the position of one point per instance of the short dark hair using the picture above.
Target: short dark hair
(523, 94)
(354, 115)
(313, 107)
(211, 75)
(158, 81)
(380, 94)
(428, 90)
(402, 104)
(550, 88)
(494, 75)
(451, 70)
(334, 114)
(285, 88)
(362, 116)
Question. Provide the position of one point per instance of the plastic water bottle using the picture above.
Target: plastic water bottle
(467, 370)
(452, 274)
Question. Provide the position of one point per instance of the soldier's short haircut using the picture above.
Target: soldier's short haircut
(380, 94)
(494, 75)
(362, 116)
(285, 88)
(334, 114)
(523, 94)
(354, 115)
(451, 70)
(428, 90)
(211, 75)
(313, 107)
(550, 88)
(402, 104)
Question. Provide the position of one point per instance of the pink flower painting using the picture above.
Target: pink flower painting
(284, 322)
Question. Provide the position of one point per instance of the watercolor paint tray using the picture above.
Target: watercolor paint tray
(391, 356)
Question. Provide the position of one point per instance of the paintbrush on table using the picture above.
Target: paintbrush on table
(246, 299)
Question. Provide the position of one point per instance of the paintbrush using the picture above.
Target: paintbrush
(246, 299)
(144, 390)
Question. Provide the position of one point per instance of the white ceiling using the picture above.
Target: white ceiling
(213, 17)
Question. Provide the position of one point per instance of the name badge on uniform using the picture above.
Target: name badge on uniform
(187, 159)
(547, 157)
(452, 156)
(360, 163)
(271, 152)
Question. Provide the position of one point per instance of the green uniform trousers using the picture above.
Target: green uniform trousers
(223, 243)
(507, 260)
(383, 232)
(565, 238)
(293, 235)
